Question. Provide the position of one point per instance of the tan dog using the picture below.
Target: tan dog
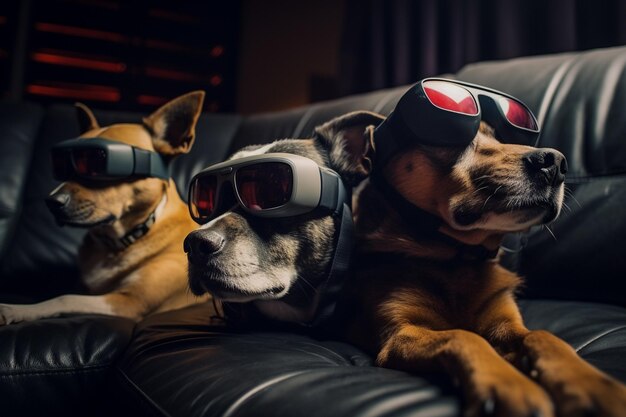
(147, 273)
(440, 302)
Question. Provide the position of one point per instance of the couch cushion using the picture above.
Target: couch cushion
(180, 365)
(59, 366)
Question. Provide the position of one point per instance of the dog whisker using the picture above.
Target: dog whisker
(551, 232)
(494, 193)
(566, 207)
(303, 280)
(480, 189)
(570, 194)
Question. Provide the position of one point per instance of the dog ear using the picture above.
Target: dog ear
(348, 140)
(173, 126)
(86, 120)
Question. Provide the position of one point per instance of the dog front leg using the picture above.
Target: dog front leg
(108, 304)
(491, 385)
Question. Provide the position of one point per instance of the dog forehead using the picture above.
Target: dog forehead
(131, 134)
(301, 147)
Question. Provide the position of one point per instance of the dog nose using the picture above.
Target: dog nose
(203, 243)
(549, 164)
(57, 200)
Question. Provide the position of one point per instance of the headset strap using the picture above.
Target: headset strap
(330, 289)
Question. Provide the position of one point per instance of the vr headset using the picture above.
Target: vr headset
(447, 113)
(269, 185)
(104, 160)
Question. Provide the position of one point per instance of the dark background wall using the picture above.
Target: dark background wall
(119, 54)
(263, 55)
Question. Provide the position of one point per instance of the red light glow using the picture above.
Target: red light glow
(170, 74)
(76, 91)
(78, 62)
(217, 50)
(216, 80)
(81, 32)
(148, 100)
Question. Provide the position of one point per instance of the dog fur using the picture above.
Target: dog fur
(417, 304)
(149, 276)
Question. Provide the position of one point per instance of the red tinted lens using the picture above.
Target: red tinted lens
(90, 162)
(265, 186)
(517, 114)
(202, 200)
(449, 96)
(61, 165)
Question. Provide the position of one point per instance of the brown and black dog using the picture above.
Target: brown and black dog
(150, 274)
(277, 269)
(440, 302)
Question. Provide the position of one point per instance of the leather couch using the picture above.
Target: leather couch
(184, 363)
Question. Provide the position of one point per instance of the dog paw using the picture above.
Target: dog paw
(594, 395)
(10, 314)
(6, 314)
(512, 396)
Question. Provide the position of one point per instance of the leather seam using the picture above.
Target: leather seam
(55, 372)
(598, 337)
(303, 121)
(145, 399)
(251, 393)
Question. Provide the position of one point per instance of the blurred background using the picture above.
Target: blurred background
(263, 55)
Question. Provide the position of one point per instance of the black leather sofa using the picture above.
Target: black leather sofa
(184, 363)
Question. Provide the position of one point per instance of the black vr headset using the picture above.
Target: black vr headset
(447, 113)
(102, 159)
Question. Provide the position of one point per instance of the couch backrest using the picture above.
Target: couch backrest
(579, 99)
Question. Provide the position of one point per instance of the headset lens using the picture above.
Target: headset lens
(450, 97)
(265, 185)
(202, 199)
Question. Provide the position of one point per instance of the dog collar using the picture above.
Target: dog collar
(424, 224)
(139, 230)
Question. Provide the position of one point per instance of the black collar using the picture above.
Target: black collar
(422, 224)
(137, 232)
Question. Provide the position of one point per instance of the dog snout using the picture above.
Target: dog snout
(547, 165)
(202, 244)
(57, 200)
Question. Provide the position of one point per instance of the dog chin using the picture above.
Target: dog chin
(226, 289)
(83, 222)
(513, 221)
